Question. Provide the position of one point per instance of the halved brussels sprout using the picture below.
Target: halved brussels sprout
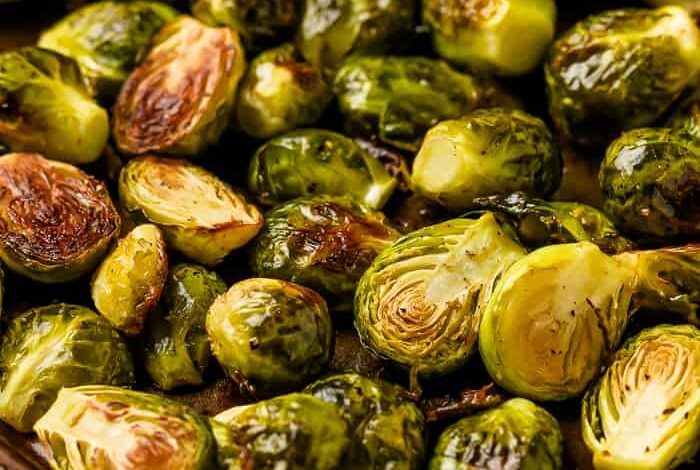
(315, 161)
(270, 335)
(325, 243)
(45, 106)
(516, 435)
(179, 100)
(293, 432)
(100, 427)
(620, 70)
(56, 222)
(489, 151)
(200, 215)
(419, 304)
(508, 37)
(48, 348)
(107, 39)
(644, 412)
(387, 428)
(175, 344)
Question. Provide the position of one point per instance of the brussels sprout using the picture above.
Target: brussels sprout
(324, 243)
(56, 222)
(107, 39)
(200, 215)
(375, 412)
(644, 412)
(294, 432)
(179, 100)
(314, 161)
(271, 335)
(651, 180)
(516, 435)
(175, 344)
(46, 107)
(508, 37)
(620, 70)
(48, 348)
(419, 304)
(100, 427)
(490, 151)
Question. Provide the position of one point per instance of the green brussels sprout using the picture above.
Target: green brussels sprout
(46, 107)
(56, 222)
(620, 70)
(516, 435)
(270, 335)
(293, 432)
(128, 283)
(419, 304)
(375, 412)
(175, 344)
(644, 412)
(48, 348)
(651, 178)
(324, 242)
(315, 161)
(179, 100)
(508, 37)
(101, 427)
(107, 39)
(489, 151)
(200, 215)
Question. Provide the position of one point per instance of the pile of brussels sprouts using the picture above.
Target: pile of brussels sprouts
(203, 206)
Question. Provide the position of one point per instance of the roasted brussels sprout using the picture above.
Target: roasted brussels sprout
(490, 151)
(179, 100)
(314, 161)
(385, 425)
(518, 435)
(200, 215)
(508, 37)
(324, 243)
(295, 432)
(270, 335)
(419, 304)
(48, 348)
(619, 70)
(107, 39)
(100, 427)
(175, 343)
(56, 222)
(45, 106)
(644, 412)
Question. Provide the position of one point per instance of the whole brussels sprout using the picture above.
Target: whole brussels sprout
(46, 107)
(489, 151)
(48, 348)
(175, 344)
(516, 435)
(200, 215)
(419, 304)
(620, 70)
(179, 100)
(315, 161)
(107, 39)
(270, 335)
(387, 428)
(324, 243)
(294, 432)
(100, 427)
(644, 412)
(128, 283)
(508, 37)
(56, 222)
